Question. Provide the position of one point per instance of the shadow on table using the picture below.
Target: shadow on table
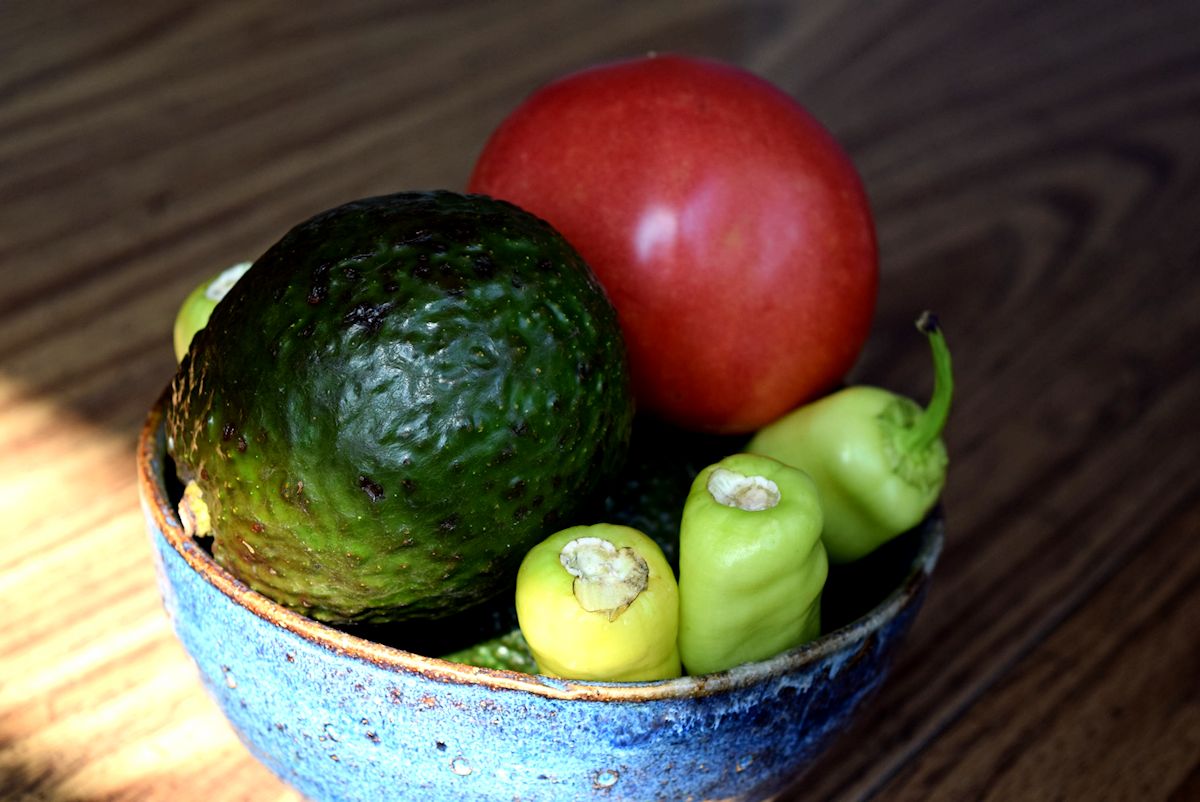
(31, 777)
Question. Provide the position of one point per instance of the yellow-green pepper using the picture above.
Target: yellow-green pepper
(878, 459)
(600, 603)
(196, 308)
(751, 563)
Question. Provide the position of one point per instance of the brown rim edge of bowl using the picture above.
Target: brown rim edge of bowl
(153, 496)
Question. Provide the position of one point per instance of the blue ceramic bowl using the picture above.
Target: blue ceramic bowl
(343, 718)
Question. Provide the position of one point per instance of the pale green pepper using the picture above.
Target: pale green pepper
(751, 563)
(878, 459)
(600, 603)
(194, 312)
(507, 652)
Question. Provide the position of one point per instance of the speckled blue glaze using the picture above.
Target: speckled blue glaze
(340, 718)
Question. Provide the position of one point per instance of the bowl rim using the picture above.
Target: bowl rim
(153, 496)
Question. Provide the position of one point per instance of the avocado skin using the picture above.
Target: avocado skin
(399, 399)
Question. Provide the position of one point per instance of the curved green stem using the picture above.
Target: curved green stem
(929, 425)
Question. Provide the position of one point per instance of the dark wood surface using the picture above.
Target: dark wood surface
(1034, 168)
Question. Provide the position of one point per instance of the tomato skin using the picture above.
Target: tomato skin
(730, 230)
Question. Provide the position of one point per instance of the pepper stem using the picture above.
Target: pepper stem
(747, 493)
(932, 420)
(607, 579)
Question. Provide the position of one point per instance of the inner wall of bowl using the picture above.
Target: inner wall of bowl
(858, 599)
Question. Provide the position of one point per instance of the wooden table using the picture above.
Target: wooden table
(1035, 172)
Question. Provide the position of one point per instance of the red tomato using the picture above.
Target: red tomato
(730, 230)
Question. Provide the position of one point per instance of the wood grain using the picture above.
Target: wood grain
(1034, 168)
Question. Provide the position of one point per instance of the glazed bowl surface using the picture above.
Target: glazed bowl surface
(345, 719)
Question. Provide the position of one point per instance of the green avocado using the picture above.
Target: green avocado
(397, 400)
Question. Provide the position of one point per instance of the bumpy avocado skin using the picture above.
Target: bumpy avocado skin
(397, 401)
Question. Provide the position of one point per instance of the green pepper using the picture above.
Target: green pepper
(600, 603)
(751, 563)
(878, 459)
(507, 651)
(196, 308)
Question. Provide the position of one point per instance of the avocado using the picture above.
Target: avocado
(398, 399)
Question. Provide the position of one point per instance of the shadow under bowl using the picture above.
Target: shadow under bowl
(340, 717)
